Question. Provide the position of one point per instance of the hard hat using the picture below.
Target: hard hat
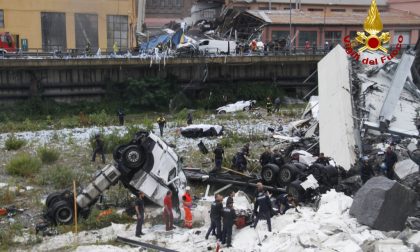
(187, 188)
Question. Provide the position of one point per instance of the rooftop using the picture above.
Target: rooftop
(318, 18)
(323, 2)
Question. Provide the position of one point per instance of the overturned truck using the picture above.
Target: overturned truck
(145, 164)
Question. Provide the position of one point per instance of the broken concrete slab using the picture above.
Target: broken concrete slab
(404, 168)
(391, 245)
(336, 125)
(414, 241)
(383, 204)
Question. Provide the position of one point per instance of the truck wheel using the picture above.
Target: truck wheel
(52, 199)
(287, 174)
(269, 173)
(63, 213)
(133, 156)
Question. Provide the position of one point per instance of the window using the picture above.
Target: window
(86, 28)
(338, 10)
(203, 43)
(53, 30)
(117, 31)
(359, 10)
(405, 34)
(315, 9)
(311, 36)
(333, 37)
(1, 18)
(279, 35)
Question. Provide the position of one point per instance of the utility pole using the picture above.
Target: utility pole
(269, 5)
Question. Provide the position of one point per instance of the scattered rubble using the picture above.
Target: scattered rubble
(383, 204)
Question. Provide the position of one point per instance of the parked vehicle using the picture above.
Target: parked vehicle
(211, 46)
(237, 106)
(7, 43)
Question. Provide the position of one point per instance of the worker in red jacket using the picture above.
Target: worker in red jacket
(167, 211)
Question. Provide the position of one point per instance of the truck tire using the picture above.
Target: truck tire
(117, 153)
(52, 199)
(63, 212)
(287, 174)
(133, 156)
(269, 173)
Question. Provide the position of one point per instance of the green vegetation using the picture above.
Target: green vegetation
(58, 177)
(48, 155)
(23, 164)
(14, 143)
(111, 141)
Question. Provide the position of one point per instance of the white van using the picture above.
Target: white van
(211, 46)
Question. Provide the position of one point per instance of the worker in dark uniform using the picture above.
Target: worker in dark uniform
(121, 116)
(246, 149)
(189, 119)
(322, 159)
(366, 171)
(99, 148)
(269, 105)
(161, 121)
(285, 202)
(140, 214)
(87, 50)
(218, 157)
(266, 157)
(390, 160)
(216, 211)
(277, 104)
(229, 217)
(262, 207)
(241, 162)
(230, 198)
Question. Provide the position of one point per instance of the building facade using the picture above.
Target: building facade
(317, 22)
(70, 24)
(410, 6)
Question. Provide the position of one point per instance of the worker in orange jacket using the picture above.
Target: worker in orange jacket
(187, 203)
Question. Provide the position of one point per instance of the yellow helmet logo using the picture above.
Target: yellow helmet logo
(373, 26)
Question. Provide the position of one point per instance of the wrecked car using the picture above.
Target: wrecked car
(145, 164)
(237, 106)
(201, 130)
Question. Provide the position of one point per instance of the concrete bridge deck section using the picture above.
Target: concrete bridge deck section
(68, 79)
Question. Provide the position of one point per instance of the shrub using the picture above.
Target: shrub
(14, 143)
(58, 176)
(148, 124)
(48, 155)
(100, 119)
(23, 164)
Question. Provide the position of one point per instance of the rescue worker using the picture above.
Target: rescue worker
(285, 202)
(326, 47)
(266, 157)
(240, 162)
(322, 159)
(269, 105)
(230, 198)
(87, 49)
(390, 160)
(246, 149)
(366, 171)
(276, 157)
(189, 119)
(168, 216)
(229, 217)
(121, 116)
(277, 104)
(307, 46)
(262, 207)
(99, 148)
(140, 214)
(216, 211)
(161, 121)
(219, 153)
(187, 204)
(115, 48)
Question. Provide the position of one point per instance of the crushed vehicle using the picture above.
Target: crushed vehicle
(212, 46)
(201, 130)
(145, 164)
(237, 106)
